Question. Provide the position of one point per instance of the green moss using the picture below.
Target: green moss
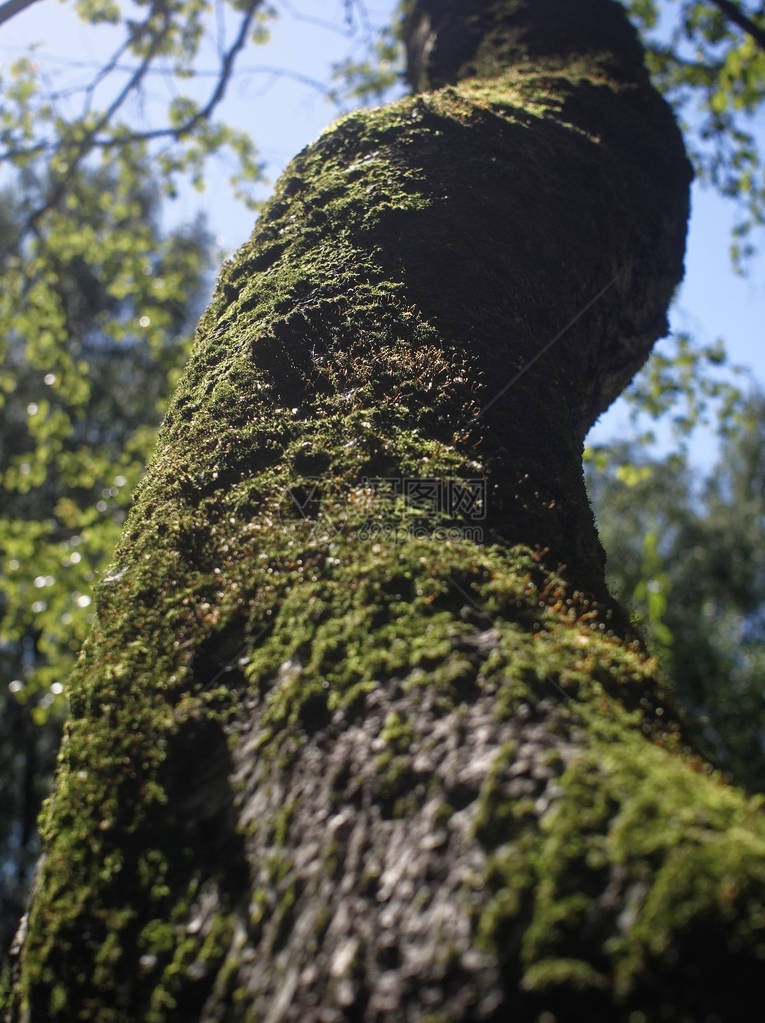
(641, 821)
(258, 907)
(282, 823)
(58, 999)
(570, 973)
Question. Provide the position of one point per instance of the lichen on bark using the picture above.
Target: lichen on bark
(331, 755)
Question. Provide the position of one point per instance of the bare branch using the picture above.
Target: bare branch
(86, 143)
(226, 68)
(735, 14)
(11, 8)
(311, 19)
(91, 139)
(113, 61)
(224, 76)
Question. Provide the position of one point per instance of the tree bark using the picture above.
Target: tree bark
(359, 734)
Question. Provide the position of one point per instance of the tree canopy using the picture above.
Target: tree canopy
(686, 555)
(90, 355)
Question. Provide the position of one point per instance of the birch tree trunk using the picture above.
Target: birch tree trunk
(359, 734)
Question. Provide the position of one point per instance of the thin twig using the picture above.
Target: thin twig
(92, 140)
(734, 13)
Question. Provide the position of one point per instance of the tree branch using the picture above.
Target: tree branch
(91, 139)
(312, 19)
(86, 143)
(224, 75)
(11, 8)
(113, 61)
(734, 13)
(153, 134)
(226, 68)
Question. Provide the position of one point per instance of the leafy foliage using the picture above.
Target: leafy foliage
(708, 56)
(92, 344)
(92, 341)
(36, 130)
(689, 559)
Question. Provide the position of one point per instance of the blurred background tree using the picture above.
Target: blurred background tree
(99, 300)
(687, 557)
(91, 350)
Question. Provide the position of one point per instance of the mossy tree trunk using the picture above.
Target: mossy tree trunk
(358, 733)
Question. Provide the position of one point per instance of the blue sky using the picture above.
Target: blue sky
(283, 115)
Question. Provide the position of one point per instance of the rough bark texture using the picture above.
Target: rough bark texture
(331, 755)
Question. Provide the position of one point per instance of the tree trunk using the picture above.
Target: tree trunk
(358, 734)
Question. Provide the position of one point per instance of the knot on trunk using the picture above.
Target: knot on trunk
(448, 40)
